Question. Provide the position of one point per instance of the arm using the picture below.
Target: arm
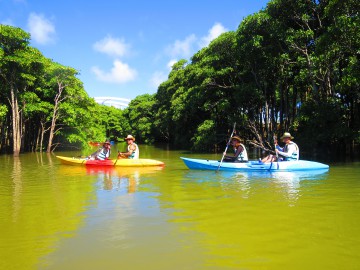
(95, 154)
(290, 150)
(132, 148)
(278, 147)
(107, 155)
(237, 153)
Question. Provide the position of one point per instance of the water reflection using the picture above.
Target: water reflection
(288, 183)
(203, 176)
(125, 178)
(242, 215)
(54, 216)
(38, 207)
(17, 181)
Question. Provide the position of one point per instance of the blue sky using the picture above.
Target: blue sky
(124, 48)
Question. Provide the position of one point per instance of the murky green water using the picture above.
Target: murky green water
(54, 216)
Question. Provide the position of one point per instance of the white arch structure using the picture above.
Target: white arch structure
(121, 103)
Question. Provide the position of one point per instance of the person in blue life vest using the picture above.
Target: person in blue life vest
(240, 153)
(103, 153)
(132, 149)
(289, 152)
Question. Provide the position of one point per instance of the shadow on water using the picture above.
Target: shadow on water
(249, 183)
(113, 178)
(204, 176)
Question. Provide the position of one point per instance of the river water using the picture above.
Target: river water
(55, 216)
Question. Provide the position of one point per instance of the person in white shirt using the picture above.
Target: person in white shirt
(240, 153)
(133, 149)
(289, 152)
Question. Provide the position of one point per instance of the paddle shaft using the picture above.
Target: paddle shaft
(276, 153)
(275, 143)
(227, 146)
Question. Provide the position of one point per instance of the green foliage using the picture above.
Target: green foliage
(3, 112)
(293, 66)
(77, 116)
(140, 117)
(12, 39)
(291, 53)
(34, 106)
(314, 119)
(205, 136)
(114, 121)
(46, 93)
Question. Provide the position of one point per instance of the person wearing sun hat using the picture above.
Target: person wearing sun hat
(133, 149)
(287, 153)
(290, 151)
(240, 153)
(103, 153)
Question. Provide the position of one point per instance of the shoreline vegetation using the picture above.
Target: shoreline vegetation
(293, 66)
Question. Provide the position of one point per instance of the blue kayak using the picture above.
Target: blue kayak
(284, 166)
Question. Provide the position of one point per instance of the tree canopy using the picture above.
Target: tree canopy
(293, 66)
(43, 105)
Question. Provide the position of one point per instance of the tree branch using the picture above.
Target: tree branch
(257, 145)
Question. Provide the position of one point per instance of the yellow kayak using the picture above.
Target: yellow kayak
(141, 162)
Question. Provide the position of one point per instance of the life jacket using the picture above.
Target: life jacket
(103, 154)
(243, 156)
(135, 153)
(294, 154)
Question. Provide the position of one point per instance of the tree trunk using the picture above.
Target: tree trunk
(55, 115)
(52, 129)
(266, 117)
(38, 140)
(42, 136)
(15, 122)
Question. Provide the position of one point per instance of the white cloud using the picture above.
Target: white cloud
(213, 33)
(42, 30)
(120, 73)
(185, 48)
(157, 78)
(182, 48)
(111, 46)
(171, 63)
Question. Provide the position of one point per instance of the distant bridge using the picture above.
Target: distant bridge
(120, 103)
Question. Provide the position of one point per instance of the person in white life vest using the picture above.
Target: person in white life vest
(289, 152)
(103, 153)
(132, 149)
(240, 153)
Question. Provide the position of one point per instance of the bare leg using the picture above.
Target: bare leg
(269, 158)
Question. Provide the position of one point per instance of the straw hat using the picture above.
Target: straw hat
(129, 137)
(236, 138)
(286, 135)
